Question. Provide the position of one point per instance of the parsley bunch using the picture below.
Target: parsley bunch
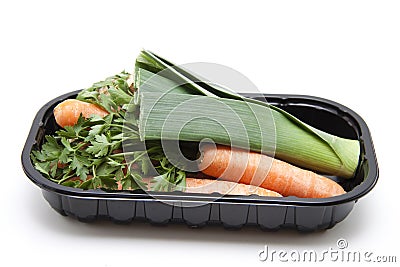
(89, 155)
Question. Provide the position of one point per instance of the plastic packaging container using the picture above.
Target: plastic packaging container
(230, 211)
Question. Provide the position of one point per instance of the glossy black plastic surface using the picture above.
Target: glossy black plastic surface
(231, 211)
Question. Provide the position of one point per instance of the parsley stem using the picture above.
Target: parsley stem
(53, 180)
(146, 152)
(94, 172)
(123, 126)
(128, 138)
(123, 153)
(64, 179)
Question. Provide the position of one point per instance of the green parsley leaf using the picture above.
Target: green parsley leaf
(68, 132)
(43, 167)
(100, 146)
(66, 144)
(64, 156)
(119, 97)
(80, 164)
(107, 103)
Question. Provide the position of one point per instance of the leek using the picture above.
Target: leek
(290, 139)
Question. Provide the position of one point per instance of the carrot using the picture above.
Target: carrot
(67, 112)
(241, 166)
(207, 186)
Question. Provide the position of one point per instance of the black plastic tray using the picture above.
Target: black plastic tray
(303, 214)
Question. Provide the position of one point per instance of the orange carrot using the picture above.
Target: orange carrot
(67, 112)
(207, 186)
(246, 167)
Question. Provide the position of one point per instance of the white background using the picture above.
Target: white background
(346, 51)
